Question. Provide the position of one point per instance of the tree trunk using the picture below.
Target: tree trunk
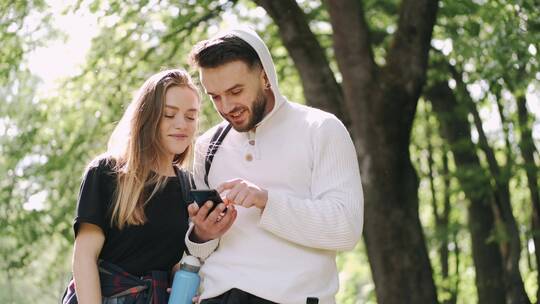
(455, 287)
(381, 105)
(526, 146)
(441, 218)
(510, 244)
(486, 255)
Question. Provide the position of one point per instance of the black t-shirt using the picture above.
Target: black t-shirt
(158, 244)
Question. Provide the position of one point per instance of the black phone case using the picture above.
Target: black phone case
(202, 196)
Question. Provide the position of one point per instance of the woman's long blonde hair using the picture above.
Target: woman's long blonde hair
(135, 147)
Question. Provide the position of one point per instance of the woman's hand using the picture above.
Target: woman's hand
(207, 226)
(194, 300)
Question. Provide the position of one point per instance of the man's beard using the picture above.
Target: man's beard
(256, 113)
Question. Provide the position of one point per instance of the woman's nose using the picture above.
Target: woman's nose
(180, 123)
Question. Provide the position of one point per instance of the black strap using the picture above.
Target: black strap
(186, 183)
(215, 142)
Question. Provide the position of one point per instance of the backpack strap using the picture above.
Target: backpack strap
(186, 183)
(215, 142)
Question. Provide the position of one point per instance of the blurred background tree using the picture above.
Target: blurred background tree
(440, 97)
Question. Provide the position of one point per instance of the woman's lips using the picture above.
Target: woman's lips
(178, 136)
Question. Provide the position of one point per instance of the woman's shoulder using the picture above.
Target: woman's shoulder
(103, 165)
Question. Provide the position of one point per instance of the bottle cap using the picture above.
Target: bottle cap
(190, 263)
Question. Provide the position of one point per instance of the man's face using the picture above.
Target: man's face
(237, 93)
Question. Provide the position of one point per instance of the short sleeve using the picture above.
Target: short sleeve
(93, 199)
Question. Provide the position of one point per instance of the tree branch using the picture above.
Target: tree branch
(408, 55)
(482, 138)
(506, 130)
(320, 86)
(354, 56)
(352, 44)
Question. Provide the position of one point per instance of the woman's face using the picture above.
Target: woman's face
(179, 121)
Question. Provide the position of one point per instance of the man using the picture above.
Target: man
(291, 172)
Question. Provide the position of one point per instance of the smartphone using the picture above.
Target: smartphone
(202, 196)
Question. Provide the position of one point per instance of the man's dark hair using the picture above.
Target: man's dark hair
(215, 52)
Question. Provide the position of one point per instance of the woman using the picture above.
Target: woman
(131, 216)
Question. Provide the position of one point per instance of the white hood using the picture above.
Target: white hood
(252, 38)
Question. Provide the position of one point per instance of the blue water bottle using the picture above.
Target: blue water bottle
(186, 281)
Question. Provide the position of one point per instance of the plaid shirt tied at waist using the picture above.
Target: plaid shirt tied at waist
(121, 287)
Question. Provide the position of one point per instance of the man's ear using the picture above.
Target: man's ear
(265, 83)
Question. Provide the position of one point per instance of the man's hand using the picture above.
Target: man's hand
(244, 193)
(213, 225)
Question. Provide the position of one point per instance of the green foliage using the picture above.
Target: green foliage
(356, 284)
(29, 232)
(24, 25)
